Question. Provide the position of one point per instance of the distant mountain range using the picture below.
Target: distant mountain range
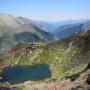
(64, 29)
(14, 30)
(52, 27)
(68, 30)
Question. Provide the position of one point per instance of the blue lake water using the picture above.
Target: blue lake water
(18, 74)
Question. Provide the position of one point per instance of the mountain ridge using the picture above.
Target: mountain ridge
(11, 27)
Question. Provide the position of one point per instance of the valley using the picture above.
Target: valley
(33, 56)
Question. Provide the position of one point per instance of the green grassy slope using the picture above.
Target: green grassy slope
(65, 57)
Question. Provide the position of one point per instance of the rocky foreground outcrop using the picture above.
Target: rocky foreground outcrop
(81, 83)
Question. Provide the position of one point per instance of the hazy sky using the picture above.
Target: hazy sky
(47, 10)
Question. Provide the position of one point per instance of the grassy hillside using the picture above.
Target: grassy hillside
(64, 58)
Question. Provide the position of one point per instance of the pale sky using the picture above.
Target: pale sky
(47, 10)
